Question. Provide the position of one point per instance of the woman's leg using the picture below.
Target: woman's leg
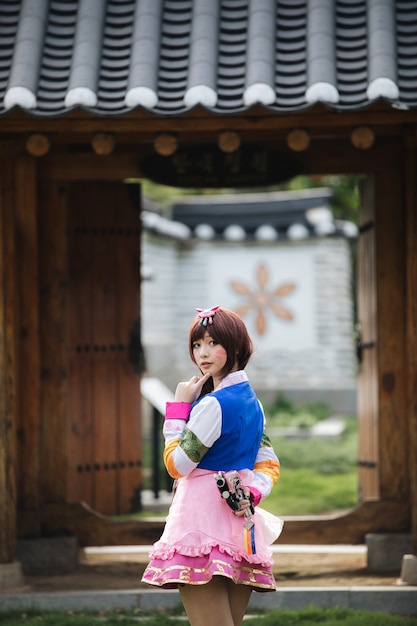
(217, 603)
(239, 596)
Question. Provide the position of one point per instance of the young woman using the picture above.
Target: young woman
(215, 544)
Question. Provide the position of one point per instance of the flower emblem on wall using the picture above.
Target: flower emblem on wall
(262, 298)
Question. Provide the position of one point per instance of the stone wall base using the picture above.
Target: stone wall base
(48, 555)
(386, 551)
(11, 575)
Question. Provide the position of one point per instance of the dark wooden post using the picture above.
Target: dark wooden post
(29, 358)
(390, 314)
(368, 452)
(411, 327)
(53, 270)
(8, 412)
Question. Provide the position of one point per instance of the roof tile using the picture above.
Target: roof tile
(169, 55)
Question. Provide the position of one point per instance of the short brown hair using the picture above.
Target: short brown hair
(229, 330)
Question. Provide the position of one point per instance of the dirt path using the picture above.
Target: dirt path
(321, 569)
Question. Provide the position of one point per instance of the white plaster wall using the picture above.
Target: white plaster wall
(312, 351)
(158, 312)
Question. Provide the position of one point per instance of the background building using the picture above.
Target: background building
(279, 260)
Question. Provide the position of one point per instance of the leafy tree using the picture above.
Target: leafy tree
(344, 205)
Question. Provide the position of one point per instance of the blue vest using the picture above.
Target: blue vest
(241, 433)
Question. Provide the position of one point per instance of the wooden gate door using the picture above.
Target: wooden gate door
(368, 409)
(104, 343)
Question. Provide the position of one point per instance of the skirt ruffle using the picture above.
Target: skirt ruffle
(199, 570)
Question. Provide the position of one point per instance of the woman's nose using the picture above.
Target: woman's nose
(203, 349)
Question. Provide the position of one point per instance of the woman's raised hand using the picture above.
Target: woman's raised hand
(190, 390)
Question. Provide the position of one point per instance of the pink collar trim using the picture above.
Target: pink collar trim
(232, 379)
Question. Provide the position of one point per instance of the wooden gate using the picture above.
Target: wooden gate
(104, 345)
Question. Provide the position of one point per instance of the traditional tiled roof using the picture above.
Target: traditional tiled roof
(168, 56)
(262, 217)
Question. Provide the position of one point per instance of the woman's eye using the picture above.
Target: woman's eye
(196, 345)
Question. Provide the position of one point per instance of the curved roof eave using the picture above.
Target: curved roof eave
(254, 109)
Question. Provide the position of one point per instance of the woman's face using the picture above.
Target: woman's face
(210, 356)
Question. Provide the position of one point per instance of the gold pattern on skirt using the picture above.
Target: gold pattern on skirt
(184, 574)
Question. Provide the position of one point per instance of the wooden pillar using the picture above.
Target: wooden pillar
(53, 261)
(368, 410)
(8, 413)
(29, 356)
(390, 313)
(411, 325)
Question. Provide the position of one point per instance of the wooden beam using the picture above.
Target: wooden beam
(379, 115)
(370, 516)
(64, 167)
(333, 156)
(324, 156)
(29, 358)
(411, 322)
(53, 271)
(91, 528)
(8, 409)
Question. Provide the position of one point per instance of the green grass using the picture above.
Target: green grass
(285, 413)
(304, 492)
(317, 475)
(329, 617)
(307, 617)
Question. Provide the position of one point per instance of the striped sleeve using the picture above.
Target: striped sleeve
(183, 451)
(266, 469)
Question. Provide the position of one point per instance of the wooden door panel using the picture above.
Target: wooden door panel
(104, 315)
(105, 417)
(130, 431)
(81, 447)
(105, 438)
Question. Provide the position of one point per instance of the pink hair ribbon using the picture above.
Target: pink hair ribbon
(207, 315)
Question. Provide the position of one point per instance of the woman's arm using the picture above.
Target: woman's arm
(187, 440)
(266, 470)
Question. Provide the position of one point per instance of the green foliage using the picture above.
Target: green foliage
(284, 413)
(166, 196)
(306, 617)
(344, 205)
(346, 192)
(329, 617)
(36, 617)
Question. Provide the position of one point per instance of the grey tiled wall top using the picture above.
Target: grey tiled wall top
(168, 56)
(283, 215)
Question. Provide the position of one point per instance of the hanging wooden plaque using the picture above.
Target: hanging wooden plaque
(205, 165)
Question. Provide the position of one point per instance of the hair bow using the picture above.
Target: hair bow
(207, 315)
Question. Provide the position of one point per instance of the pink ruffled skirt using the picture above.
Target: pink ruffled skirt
(202, 538)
